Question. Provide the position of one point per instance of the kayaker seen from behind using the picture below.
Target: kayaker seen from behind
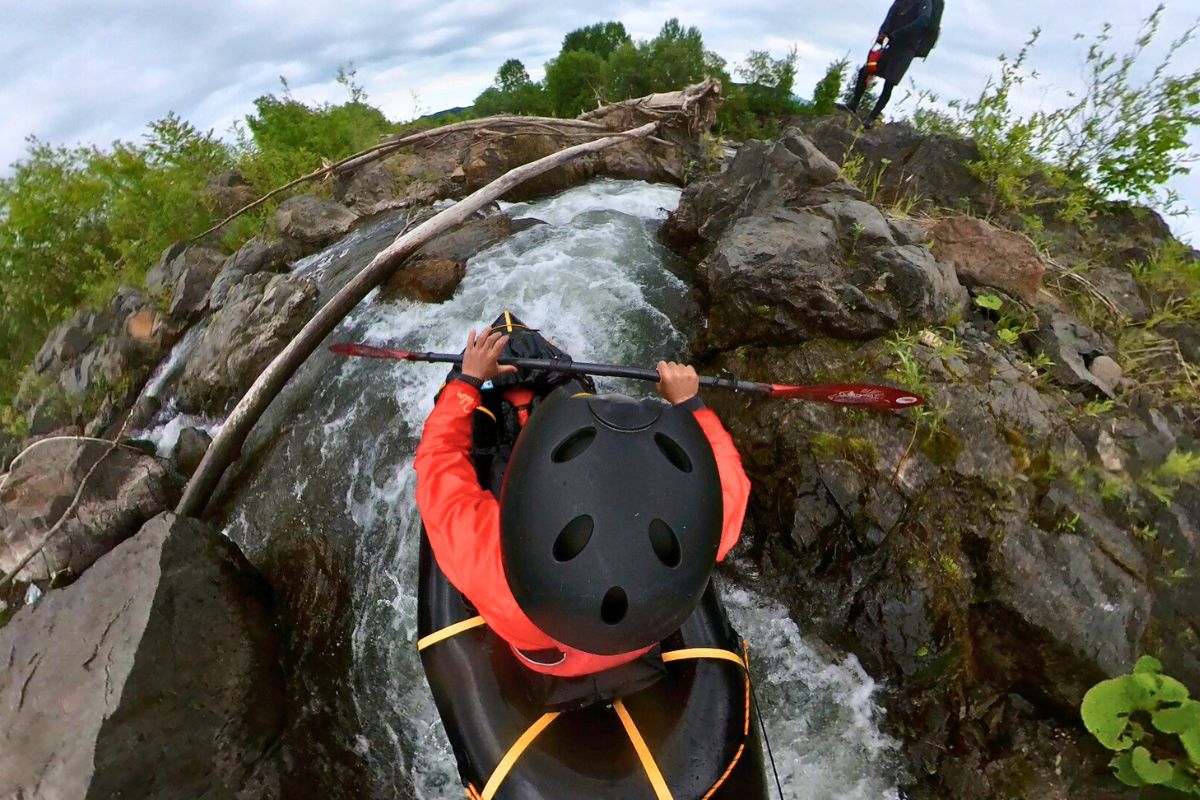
(612, 515)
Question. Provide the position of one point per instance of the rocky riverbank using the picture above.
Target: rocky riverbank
(988, 557)
(995, 553)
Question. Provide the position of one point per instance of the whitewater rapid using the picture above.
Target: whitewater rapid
(597, 282)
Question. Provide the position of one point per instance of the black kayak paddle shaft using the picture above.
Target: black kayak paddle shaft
(860, 395)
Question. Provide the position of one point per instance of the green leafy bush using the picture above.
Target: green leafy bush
(769, 83)
(603, 39)
(1152, 725)
(1124, 135)
(77, 222)
(574, 82)
(288, 138)
(828, 89)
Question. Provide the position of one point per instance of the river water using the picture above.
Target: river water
(329, 475)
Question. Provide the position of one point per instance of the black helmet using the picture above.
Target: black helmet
(610, 520)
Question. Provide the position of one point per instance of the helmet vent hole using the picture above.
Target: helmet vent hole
(674, 453)
(573, 538)
(614, 605)
(574, 445)
(665, 543)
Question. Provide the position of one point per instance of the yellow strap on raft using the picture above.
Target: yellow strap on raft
(508, 323)
(448, 631)
(514, 752)
(703, 652)
(643, 753)
(483, 410)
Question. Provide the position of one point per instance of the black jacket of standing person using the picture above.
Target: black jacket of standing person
(906, 28)
(907, 23)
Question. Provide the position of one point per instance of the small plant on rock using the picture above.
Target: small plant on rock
(1148, 720)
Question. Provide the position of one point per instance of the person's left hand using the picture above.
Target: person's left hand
(481, 355)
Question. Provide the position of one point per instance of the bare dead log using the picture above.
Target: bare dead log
(695, 107)
(228, 444)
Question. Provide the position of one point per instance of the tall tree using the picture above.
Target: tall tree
(511, 76)
(574, 82)
(603, 39)
(676, 57)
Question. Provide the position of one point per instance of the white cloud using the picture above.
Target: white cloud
(95, 71)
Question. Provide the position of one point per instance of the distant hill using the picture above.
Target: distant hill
(443, 113)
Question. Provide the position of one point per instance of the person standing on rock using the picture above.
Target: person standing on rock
(910, 30)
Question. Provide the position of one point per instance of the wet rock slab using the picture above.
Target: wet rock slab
(153, 676)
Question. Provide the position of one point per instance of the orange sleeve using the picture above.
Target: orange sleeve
(462, 520)
(735, 486)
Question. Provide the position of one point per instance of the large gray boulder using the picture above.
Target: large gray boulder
(92, 366)
(1073, 347)
(428, 279)
(1088, 608)
(787, 251)
(763, 175)
(313, 221)
(71, 339)
(470, 238)
(128, 488)
(154, 676)
(906, 165)
(230, 191)
(260, 254)
(259, 317)
(182, 276)
(404, 179)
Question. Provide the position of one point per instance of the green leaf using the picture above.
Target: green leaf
(1123, 769)
(1182, 781)
(1149, 770)
(990, 301)
(1105, 711)
(1191, 744)
(1178, 718)
(1147, 664)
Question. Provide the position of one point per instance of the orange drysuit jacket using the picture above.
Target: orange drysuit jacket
(462, 521)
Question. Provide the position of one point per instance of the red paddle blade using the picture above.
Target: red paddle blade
(851, 394)
(369, 351)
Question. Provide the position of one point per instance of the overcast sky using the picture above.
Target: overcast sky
(74, 72)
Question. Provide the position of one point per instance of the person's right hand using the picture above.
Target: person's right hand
(677, 383)
(481, 355)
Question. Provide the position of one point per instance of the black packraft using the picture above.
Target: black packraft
(935, 28)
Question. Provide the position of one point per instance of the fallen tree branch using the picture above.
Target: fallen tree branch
(694, 104)
(352, 162)
(66, 515)
(228, 443)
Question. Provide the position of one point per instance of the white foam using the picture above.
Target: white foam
(171, 365)
(644, 200)
(818, 707)
(165, 435)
